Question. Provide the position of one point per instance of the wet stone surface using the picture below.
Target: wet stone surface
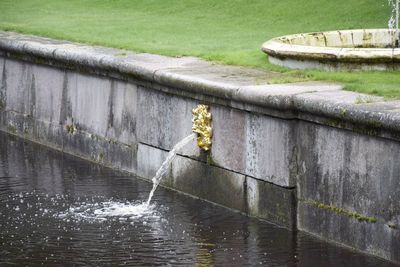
(59, 210)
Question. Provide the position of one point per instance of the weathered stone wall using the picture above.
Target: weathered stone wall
(306, 156)
(131, 127)
(352, 180)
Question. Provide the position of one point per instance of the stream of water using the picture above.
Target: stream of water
(167, 162)
(393, 22)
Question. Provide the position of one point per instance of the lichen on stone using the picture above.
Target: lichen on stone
(351, 214)
(11, 129)
(393, 226)
(70, 128)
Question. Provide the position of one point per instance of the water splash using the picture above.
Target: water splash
(102, 211)
(165, 165)
(392, 20)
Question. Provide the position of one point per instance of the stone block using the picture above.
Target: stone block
(382, 38)
(270, 146)
(87, 104)
(337, 39)
(317, 39)
(229, 138)
(376, 238)
(18, 85)
(122, 107)
(103, 107)
(46, 93)
(210, 183)
(272, 203)
(164, 119)
(357, 37)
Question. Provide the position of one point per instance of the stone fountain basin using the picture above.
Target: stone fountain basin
(364, 49)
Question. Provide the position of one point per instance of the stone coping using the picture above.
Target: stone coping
(238, 87)
(337, 46)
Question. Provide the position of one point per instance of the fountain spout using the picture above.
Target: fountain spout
(202, 126)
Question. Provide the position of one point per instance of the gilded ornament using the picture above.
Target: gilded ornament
(202, 126)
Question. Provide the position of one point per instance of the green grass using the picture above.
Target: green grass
(229, 31)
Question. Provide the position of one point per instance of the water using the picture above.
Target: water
(167, 162)
(394, 19)
(56, 210)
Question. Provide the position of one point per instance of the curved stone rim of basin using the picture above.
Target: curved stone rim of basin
(366, 49)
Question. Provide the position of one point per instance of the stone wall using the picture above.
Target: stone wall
(305, 156)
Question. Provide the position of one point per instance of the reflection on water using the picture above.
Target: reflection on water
(58, 210)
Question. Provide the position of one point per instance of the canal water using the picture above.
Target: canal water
(57, 210)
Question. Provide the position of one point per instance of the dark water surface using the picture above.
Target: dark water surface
(55, 210)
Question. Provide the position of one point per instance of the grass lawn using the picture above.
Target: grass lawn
(227, 31)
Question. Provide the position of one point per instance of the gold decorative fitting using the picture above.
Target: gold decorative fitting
(202, 126)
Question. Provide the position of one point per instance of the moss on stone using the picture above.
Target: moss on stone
(133, 147)
(372, 126)
(374, 123)
(210, 160)
(40, 61)
(122, 54)
(112, 141)
(393, 226)
(12, 129)
(366, 131)
(351, 214)
(343, 112)
(337, 123)
(70, 128)
(365, 100)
